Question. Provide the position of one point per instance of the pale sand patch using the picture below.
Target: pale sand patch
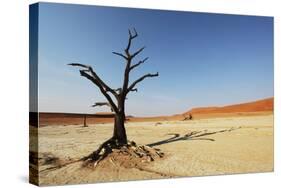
(247, 148)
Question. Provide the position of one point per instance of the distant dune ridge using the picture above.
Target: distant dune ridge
(256, 106)
(261, 107)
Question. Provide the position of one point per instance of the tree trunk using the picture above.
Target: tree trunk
(119, 132)
(85, 120)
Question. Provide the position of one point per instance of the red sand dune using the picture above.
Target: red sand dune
(256, 106)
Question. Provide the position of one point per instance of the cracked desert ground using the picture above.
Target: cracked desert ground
(234, 145)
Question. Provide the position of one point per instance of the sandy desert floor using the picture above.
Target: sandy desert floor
(192, 148)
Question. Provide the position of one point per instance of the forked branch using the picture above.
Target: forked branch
(93, 77)
(103, 91)
(131, 37)
(128, 56)
(132, 86)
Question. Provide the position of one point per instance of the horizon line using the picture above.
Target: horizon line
(105, 113)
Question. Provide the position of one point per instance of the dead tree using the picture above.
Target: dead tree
(116, 97)
(85, 121)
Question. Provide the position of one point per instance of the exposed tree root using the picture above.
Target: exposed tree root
(103, 150)
(120, 155)
(126, 155)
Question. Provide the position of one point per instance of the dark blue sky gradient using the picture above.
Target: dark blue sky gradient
(203, 59)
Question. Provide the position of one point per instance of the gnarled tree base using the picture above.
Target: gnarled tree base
(126, 155)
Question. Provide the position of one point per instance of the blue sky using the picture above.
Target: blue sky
(203, 59)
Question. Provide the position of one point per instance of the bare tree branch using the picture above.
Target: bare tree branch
(103, 91)
(129, 61)
(131, 37)
(100, 86)
(128, 65)
(119, 54)
(105, 86)
(102, 104)
(139, 63)
(137, 52)
(141, 79)
(79, 65)
(134, 89)
(95, 76)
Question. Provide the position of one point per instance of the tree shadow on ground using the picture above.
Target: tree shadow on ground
(194, 135)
